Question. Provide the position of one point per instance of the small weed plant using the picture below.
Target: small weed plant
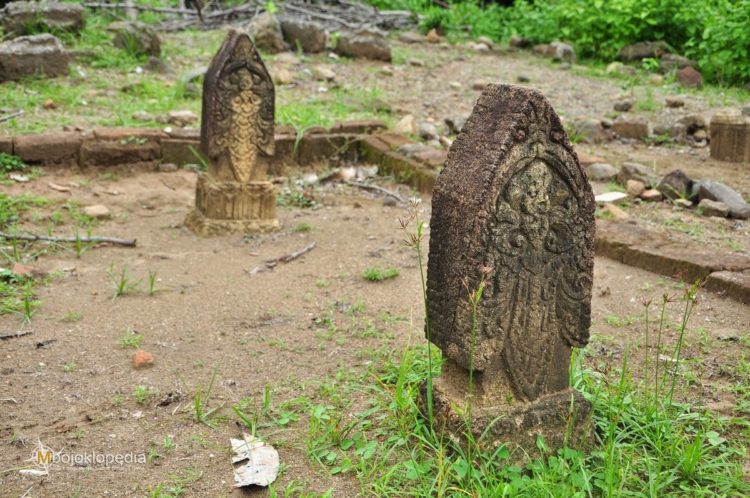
(376, 274)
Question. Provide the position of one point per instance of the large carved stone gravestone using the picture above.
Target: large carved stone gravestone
(513, 209)
(237, 142)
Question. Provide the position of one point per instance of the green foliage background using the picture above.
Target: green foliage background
(715, 33)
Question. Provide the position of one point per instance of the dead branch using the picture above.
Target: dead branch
(11, 116)
(14, 335)
(325, 17)
(272, 263)
(86, 240)
(375, 188)
(144, 8)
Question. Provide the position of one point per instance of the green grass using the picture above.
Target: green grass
(130, 339)
(375, 274)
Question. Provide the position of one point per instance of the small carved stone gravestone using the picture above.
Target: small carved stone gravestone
(513, 209)
(237, 141)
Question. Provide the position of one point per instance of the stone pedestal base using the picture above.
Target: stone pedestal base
(561, 419)
(230, 207)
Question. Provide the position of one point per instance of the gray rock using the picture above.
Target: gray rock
(309, 35)
(636, 171)
(412, 149)
(486, 40)
(690, 77)
(668, 62)
(519, 42)
(643, 50)
(631, 127)
(591, 131)
(427, 131)
(713, 208)
(717, 191)
(364, 45)
(456, 123)
(682, 203)
(157, 65)
(693, 123)
(410, 37)
(676, 184)
(265, 30)
(33, 55)
(563, 52)
(615, 68)
(674, 102)
(601, 172)
(18, 17)
(136, 38)
(623, 105)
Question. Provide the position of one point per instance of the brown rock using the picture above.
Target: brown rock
(713, 208)
(732, 284)
(432, 36)
(631, 127)
(142, 359)
(674, 102)
(359, 126)
(6, 144)
(522, 356)
(31, 56)
(587, 159)
(21, 17)
(310, 36)
(27, 271)
(106, 153)
(690, 77)
(651, 195)
(730, 136)
(129, 135)
(364, 45)
(284, 77)
(135, 37)
(480, 85)
(180, 152)
(98, 211)
(614, 212)
(635, 188)
(48, 148)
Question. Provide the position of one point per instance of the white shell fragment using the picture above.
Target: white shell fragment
(611, 197)
(260, 462)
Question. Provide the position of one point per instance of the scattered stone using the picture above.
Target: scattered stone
(643, 50)
(636, 171)
(690, 77)
(412, 149)
(143, 116)
(31, 56)
(142, 359)
(387, 71)
(480, 47)
(623, 105)
(265, 30)
(98, 211)
(255, 462)
(284, 77)
(563, 52)
(730, 136)
(522, 78)
(182, 118)
(415, 62)
(455, 123)
(635, 128)
(310, 36)
(486, 40)
(521, 381)
(410, 37)
(676, 185)
(322, 73)
(237, 140)
(519, 42)
(364, 45)
(427, 131)
(137, 37)
(656, 79)
(620, 68)
(713, 208)
(717, 191)
(287, 58)
(455, 85)
(634, 188)
(406, 125)
(700, 135)
(167, 167)
(587, 160)
(591, 131)
(432, 36)
(480, 85)
(651, 195)
(670, 62)
(607, 197)
(693, 122)
(615, 212)
(682, 203)
(157, 65)
(601, 172)
(26, 18)
(674, 102)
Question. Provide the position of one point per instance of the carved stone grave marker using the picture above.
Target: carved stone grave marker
(237, 141)
(513, 209)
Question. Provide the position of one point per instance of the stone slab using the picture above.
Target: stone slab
(110, 153)
(359, 127)
(732, 284)
(6, 145)
(48, 148)
(179, 152)
(129, 135)
(316, 148)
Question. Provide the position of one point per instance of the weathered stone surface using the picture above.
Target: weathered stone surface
(406, 125)
(519, 42)
(237, 141)
(562, 52)
(48, 148)
(108, 153)
(674, 102)
(359, 126)
(377, 150)
(513, 211)
(98, 211)
(730, 136)
(364, 45)
(636, 171)
(180, 151)
(634, 188)
(135, 37)
(31, 56)
(6, 144)
(676, 184)
(308, 35)
(601, 172)
(18, 17)
(668, 62)
(643, 50)
(265, 30)
(717, 191)
(690, 77)
(713, 208)
(455, 123)
(732, 284)
(631, 127)
(129, 135)
(651, 195)
(591, 131)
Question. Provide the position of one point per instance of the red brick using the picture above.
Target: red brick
(129, 134)
(48, 148)
(107, 153)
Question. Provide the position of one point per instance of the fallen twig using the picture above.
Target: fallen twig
(272, 263)
(11, 116)
(15, 335)
(86, 240)
(375, 188)
(145, 8)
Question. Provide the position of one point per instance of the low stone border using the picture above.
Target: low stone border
(367, 141)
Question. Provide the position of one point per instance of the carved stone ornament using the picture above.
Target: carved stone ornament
(237, 142)
(512, 209)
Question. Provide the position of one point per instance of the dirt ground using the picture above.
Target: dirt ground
(209, 311)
